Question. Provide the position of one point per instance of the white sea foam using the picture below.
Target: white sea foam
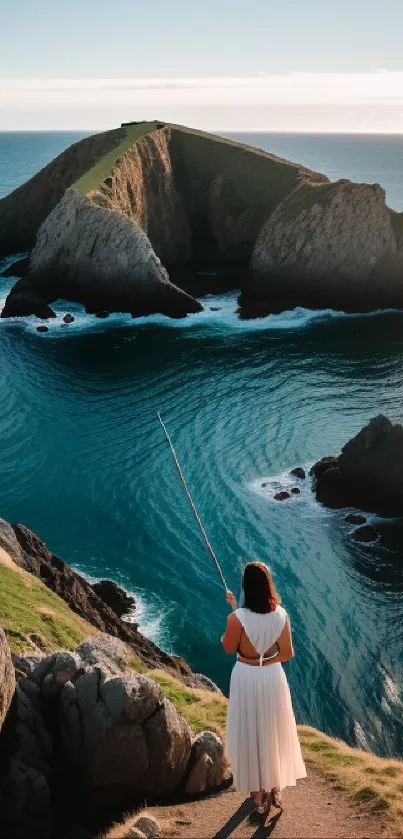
(268, 486)
(219, 313)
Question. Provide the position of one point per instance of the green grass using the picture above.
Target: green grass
(126, 138)
(202, 709)
(27, 608)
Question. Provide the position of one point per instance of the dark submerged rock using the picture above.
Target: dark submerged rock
(295, 491)
(366, 533)
(282, 495)
(355, 518)
(68, 319)
(42, 329)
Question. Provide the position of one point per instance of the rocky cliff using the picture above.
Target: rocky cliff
(335, 245)
(99, 257)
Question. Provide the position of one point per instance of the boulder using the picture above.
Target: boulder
(123, 738)
(7, 679)
(334, 245)
(207, 764)
(42, 329)
(295, 491)
(283, 495)
(368, 474)
(115, 597)
(100, 258)
(68, 318)
(298, 472)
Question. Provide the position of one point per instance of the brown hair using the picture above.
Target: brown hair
(260, 593)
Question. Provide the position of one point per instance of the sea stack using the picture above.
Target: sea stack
(120, 220)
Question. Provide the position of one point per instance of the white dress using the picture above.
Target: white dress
(262, 738)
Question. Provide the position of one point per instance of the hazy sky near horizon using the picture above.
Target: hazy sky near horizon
(221, 64)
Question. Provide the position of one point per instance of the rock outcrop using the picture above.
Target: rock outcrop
(368, 474)
(31, 553)
(89, 730)
(115, 597)
(7, 681)
(330, 245)
(100, 258)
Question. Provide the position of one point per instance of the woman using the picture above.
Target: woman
(262, 739)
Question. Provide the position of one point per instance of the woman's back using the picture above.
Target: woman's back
(260, 631)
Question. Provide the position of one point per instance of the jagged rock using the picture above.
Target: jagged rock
(330, 245)
(18, 268)
(208, 764)
(9, 541)
(148, 826)
(101, 258)
(106, 651)
(207, 683)
(114, 596)
(25, 300)
(298, 472)
(7, 679)
(368, 473)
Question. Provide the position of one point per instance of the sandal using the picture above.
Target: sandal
(276, 799)
(259, 812)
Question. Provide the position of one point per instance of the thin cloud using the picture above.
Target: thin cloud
(375, 95)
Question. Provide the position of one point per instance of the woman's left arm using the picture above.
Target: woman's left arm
(232, 635)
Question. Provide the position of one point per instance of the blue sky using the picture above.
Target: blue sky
(341, 46)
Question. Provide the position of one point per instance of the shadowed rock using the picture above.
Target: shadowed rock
(7, 680)
(368, 473)
(114, 596)
(99, 258)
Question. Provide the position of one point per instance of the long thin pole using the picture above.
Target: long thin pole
(193, 505)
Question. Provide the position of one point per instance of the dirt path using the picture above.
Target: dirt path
(313, 809)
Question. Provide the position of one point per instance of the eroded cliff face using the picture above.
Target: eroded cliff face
(24, 210)
(101, 258)
(332, 245)
(142, 187)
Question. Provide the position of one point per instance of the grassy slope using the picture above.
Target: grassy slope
(103, 167)
(27, 608)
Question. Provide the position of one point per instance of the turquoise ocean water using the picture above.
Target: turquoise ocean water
(84, 462)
